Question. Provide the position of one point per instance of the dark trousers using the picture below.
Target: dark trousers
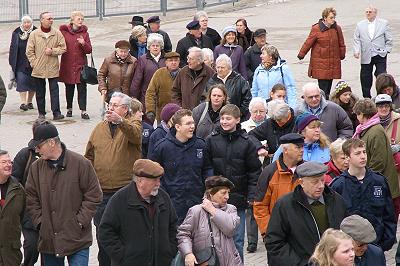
(41, 95)
(31, 253)
(366, 73)
(102, 257)
(82, 95)
(325, 85)
(251, 227)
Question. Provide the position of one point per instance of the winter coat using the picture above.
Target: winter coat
(189, 41)
(292, 232)
(158, 93)
(332, 172)
(206, 126)
(147, 130)
(234, 156)
(149, 241)
(235, 52)
(380, 157)
(159, 133)
(113, 157)
(194, 233)
(275, 181)
(14, 53)
(253, 60)
(145, 69)
(73, 60)
(10, 224)
(246, 40)
(238, 90)
(114, 76)
(327, 49)
(45, 66)
(336, 123)
(3, 95)
(264, 79)
(373, 256)
(188, 92)
(62, 201)
(167, 41)
(185, 170)
(214, 36)
(372, 200)
(312, 152)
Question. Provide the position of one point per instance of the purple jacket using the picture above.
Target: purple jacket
(236, 55)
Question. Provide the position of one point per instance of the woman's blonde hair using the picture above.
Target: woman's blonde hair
(323, 139)
(138, 30)
(335, 148)
(76, 13)
(327, 246)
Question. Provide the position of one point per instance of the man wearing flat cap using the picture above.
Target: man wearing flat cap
(153, 26)
(139, 224)
(363, 234)
(62, 194)
(299, 218)
(193, 38)
(278, 179)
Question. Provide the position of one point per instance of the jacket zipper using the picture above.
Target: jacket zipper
(315, 222)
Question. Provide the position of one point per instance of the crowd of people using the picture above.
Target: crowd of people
(201, 144)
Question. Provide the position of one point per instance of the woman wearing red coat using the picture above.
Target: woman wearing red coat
(72, 61)
(327, 49)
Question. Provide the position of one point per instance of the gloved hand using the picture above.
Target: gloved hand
(300, 57)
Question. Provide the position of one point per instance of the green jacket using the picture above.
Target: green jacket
(3, 95)
(380, 158)
(10, 224)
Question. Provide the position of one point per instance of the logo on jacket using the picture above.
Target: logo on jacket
(199, 153)
(146, 133)
(378, 191)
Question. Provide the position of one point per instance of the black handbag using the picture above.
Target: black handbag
(89, 73)
(208, 254)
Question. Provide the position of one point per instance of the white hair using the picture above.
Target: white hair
(125, 99)
(256, 100)
(310, 85)
(199, 53)
(224, 58)
(335, 147)
(199, 15)
(26, 18)
(208, 53)
(278, 109)
(155, 37)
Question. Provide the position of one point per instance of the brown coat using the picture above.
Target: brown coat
(61, 199)
(327, 49)
(116, 76)
(113, 157)
(187, 91)
(45, 66)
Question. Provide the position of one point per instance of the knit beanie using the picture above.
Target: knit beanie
(228, 29)
(168, 111)
(303, 120)
(341, 87)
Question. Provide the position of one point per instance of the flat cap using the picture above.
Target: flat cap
(147, 168)
(293, 138)
(193, 25)
(383, 98)
(153, 19)
(218, 181)
(359, 228)
(260, 32)
(311, 169)
(171, 55)
(123, 44)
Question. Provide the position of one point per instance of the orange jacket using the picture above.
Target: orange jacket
(276, 180)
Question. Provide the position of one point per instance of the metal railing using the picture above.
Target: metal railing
(13, 10)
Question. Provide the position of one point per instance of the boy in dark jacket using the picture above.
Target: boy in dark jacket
(234, 156)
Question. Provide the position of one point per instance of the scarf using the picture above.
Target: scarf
(386, 120)
(25, 33)
(259, 122)
(174, 73)
(371, 122)
(119, 59)
(141, 49)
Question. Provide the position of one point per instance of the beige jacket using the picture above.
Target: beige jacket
(45, 66)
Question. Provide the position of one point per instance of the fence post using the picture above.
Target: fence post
(99, 9)
(23, 8)
(200, 4)
(164, 7)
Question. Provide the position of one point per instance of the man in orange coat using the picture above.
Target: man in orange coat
(277, 179)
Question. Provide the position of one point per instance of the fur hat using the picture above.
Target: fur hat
(218, 181)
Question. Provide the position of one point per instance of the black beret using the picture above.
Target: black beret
(293, 138)
(153, 19)
(311, 169)
(193, 25)
(218, 181)
(137, 20)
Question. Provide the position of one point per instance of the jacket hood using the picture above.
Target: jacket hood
(68, 27)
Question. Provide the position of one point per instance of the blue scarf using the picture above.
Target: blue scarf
(141, 49)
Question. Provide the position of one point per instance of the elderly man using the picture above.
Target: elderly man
(113, 147)
(44, 46)
(190, 83)
(12, 204)
(299, 218)
(139, 223)
(194, 38)
(252, 56)
(153, 26)
(62, 193)
(158, 93)
(363, 234)
(372, 42)
(336, 123)
(202, 17)
(238, 88)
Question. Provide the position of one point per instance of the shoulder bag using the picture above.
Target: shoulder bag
(89, 73)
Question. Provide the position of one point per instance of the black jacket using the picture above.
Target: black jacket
(238, 91)
(214, 36)
(234, 156)
(189, 41)
(129, 236)
(167, 40)
(292, 233)
(253, 60)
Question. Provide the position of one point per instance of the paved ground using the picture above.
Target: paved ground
(287, 22)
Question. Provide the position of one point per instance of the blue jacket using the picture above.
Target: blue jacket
(185, 170)
(159, 133)
(373, 256)
(264, 80)
(312, 152)
(146, 133)
(372, 200)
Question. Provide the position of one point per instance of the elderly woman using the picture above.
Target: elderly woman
(327, 50)
(202, 18)
(271, 71)
(138, 40)
(148, 64)
(213, 215)
(338, 162)
(385, 84)
(245, 35)
(237, 87)
(19, 62)
(116, 72)
(208, 56)
(206, 114)
(345, 98)
(229, 46)
(72, 61)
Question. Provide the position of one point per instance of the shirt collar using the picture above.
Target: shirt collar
(321, 200)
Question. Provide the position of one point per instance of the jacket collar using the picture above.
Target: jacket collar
(128, 60)
(301, 197)
(171, 136)
(41, 33)
(82, 29)
(133, 197)
(284, 169)
(323, 27)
